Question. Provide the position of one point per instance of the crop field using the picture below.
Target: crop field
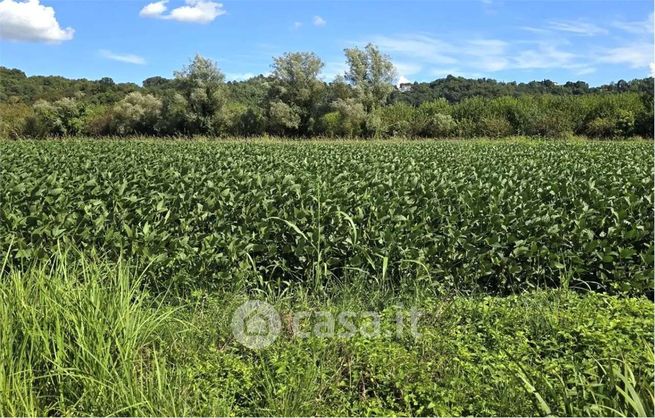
(124, 261)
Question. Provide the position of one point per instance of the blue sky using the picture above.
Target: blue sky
(130, 40)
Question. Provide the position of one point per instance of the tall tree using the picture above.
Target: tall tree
(202, 85)
(372, 75)
(297, 87)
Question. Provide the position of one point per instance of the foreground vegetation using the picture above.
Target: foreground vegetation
(123, 262)
(84, 339)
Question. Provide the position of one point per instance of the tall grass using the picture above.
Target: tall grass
(79, 338)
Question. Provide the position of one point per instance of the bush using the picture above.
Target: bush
(283, 119)
(13, 117)
(613, 116)
(351, 116)
(553, 124)
(136, 114)
(175, 119)
(331, 124)
(433, 119)
(495, 127)
(602, 127)
(439, 125)
(98, 121)
(398, 120)
(62, 118)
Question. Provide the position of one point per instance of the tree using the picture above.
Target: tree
(296, 85)
(347, 119)
(61, 118)
(283, 118)
(174, 114)
(106, 81)
(202, 85)
(372, 75)
(137, 114)
(157, 82)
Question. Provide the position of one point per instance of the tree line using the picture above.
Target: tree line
(294, 102)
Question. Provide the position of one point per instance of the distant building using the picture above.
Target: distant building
(404, 87)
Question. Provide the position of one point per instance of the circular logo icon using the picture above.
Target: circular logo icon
(256, 324)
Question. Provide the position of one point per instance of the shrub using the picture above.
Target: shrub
(439, 125)
(331, 123)
(98, 121)
(398, 120)
(601, 127)
(61, 118)
(136, 114)
(13, 117)
(550, 124)
(351, 116)
(283, 119)
(495, 127)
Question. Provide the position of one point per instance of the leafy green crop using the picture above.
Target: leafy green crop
(498, 217)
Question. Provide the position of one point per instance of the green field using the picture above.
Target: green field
(124, 261)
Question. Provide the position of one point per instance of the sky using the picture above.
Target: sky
(131, 40)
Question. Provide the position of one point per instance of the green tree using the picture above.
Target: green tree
(64, 117)
(283, 118)
(202, 85)
(136, 114)
(372, 74)
(347, 119)
(174, 115)
(296, 85)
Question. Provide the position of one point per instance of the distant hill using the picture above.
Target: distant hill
(15, 86)
(454, 89)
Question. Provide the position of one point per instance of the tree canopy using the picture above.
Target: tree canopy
(295, 101)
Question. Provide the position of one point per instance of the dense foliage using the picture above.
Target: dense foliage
(83, 340)
(455, 89)
(124, 261)
(293, 101)
(500, 217)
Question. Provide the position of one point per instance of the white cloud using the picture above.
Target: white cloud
(420, 50)
(544, 56)
(492, 63)
(319, 21)
(555, 46)
(486, 54)
(635, 55)
(404, 69)
(532, 29)
(636, 27)
(585, 70)
(127, 58)
(486, 47)
(407, 68)
(652, 69)
(154, 9)
(419, 47)
(195, 11)
(31, 21)
(578, 27)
